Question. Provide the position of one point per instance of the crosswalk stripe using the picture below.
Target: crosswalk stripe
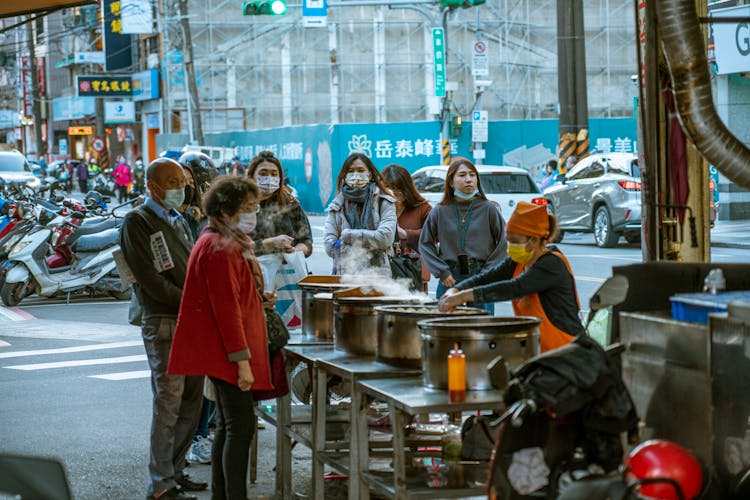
(7, 314)
(4, 343)
(63, 350)
(124, 375)
(79, 362)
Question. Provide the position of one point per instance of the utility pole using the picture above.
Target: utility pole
(445, 114)
(36, 106)
(192, 87)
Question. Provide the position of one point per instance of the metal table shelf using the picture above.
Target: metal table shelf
(351, 369)
(407, 397)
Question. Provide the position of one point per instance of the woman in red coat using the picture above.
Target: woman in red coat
(221, 330)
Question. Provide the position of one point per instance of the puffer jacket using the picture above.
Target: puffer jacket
(361, 250)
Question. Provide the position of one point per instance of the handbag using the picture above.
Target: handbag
(407, 267)
(478, 436)
(276, 330)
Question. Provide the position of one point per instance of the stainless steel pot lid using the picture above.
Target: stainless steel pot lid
(384, 299)
(478, 325)
(428, 309)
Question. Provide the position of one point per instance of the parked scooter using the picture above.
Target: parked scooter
(90, 266)
(560, 437)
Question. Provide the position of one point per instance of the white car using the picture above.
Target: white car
(15, 168)
(504, 185)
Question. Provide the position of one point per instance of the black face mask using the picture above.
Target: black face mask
(189, 195)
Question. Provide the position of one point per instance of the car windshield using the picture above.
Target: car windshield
(502, 183)
(12, 163)
(623, 165)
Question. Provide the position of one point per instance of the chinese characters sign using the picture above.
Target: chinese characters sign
(104, 86)
(438, 46)
(621, 145)
(392, 148)
(117, 50)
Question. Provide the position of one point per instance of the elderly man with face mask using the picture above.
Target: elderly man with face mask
(156, 243)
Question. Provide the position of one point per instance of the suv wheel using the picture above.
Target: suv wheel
(604, 235)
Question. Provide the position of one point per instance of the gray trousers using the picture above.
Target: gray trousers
(176, 407)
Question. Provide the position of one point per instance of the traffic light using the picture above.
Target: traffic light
(264, 8)
(461, 3)
(456, 125)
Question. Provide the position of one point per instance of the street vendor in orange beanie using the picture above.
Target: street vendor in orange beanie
(535, 276)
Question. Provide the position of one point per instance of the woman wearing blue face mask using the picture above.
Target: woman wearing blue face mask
(465, 232)
(361, 223)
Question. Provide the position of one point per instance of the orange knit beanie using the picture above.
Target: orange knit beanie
(529, 220)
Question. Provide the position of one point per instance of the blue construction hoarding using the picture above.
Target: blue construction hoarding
(312, 155)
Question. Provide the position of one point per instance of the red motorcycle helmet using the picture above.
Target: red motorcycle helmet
(661, 459)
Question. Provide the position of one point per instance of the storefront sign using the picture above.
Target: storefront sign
(81, 130)
(138, 17)
(732, 40)
(72, 108)
(119, 112)
(117, 51)
(104, 86)
(90, 57)
(145, 85)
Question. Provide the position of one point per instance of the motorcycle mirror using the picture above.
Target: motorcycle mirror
(612, 292)
(33, 477)
(499, 372)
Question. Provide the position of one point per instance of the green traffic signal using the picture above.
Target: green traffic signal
(461, 3)
(264, 8)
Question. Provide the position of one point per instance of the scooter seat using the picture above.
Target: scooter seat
(96, 227)
(96, 242)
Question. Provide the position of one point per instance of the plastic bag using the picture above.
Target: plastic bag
(281, 272)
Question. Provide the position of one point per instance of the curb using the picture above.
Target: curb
(727, 244)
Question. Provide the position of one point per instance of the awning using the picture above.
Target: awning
(19, 8)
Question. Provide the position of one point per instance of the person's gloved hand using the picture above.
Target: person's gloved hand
(337, 244)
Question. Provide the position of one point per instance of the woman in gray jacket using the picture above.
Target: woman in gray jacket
(361, 223)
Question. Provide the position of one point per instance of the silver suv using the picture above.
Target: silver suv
(601, 194)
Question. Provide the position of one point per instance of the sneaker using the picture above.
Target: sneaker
(261, 424)
(200, 451)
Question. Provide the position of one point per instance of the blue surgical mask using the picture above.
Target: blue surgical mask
(463, 196)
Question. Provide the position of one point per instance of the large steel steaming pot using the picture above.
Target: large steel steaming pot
(399, 341)
(317, 304)
(482, 339)
(355, 321)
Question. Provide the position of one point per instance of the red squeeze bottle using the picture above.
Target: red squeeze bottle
(456, 374)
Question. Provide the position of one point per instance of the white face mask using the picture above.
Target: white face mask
(268, 183)
(247, 222)
(357, 179)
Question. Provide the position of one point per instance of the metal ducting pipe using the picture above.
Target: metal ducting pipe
(686, 56)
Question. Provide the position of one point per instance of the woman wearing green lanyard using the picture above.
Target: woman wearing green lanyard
(465, 232)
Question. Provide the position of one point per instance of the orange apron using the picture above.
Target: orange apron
(551, 337)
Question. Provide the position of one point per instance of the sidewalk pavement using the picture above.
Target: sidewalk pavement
(731, 234)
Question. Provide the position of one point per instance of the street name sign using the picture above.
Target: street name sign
(438, 46)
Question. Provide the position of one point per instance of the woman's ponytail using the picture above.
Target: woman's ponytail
(554, 229)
